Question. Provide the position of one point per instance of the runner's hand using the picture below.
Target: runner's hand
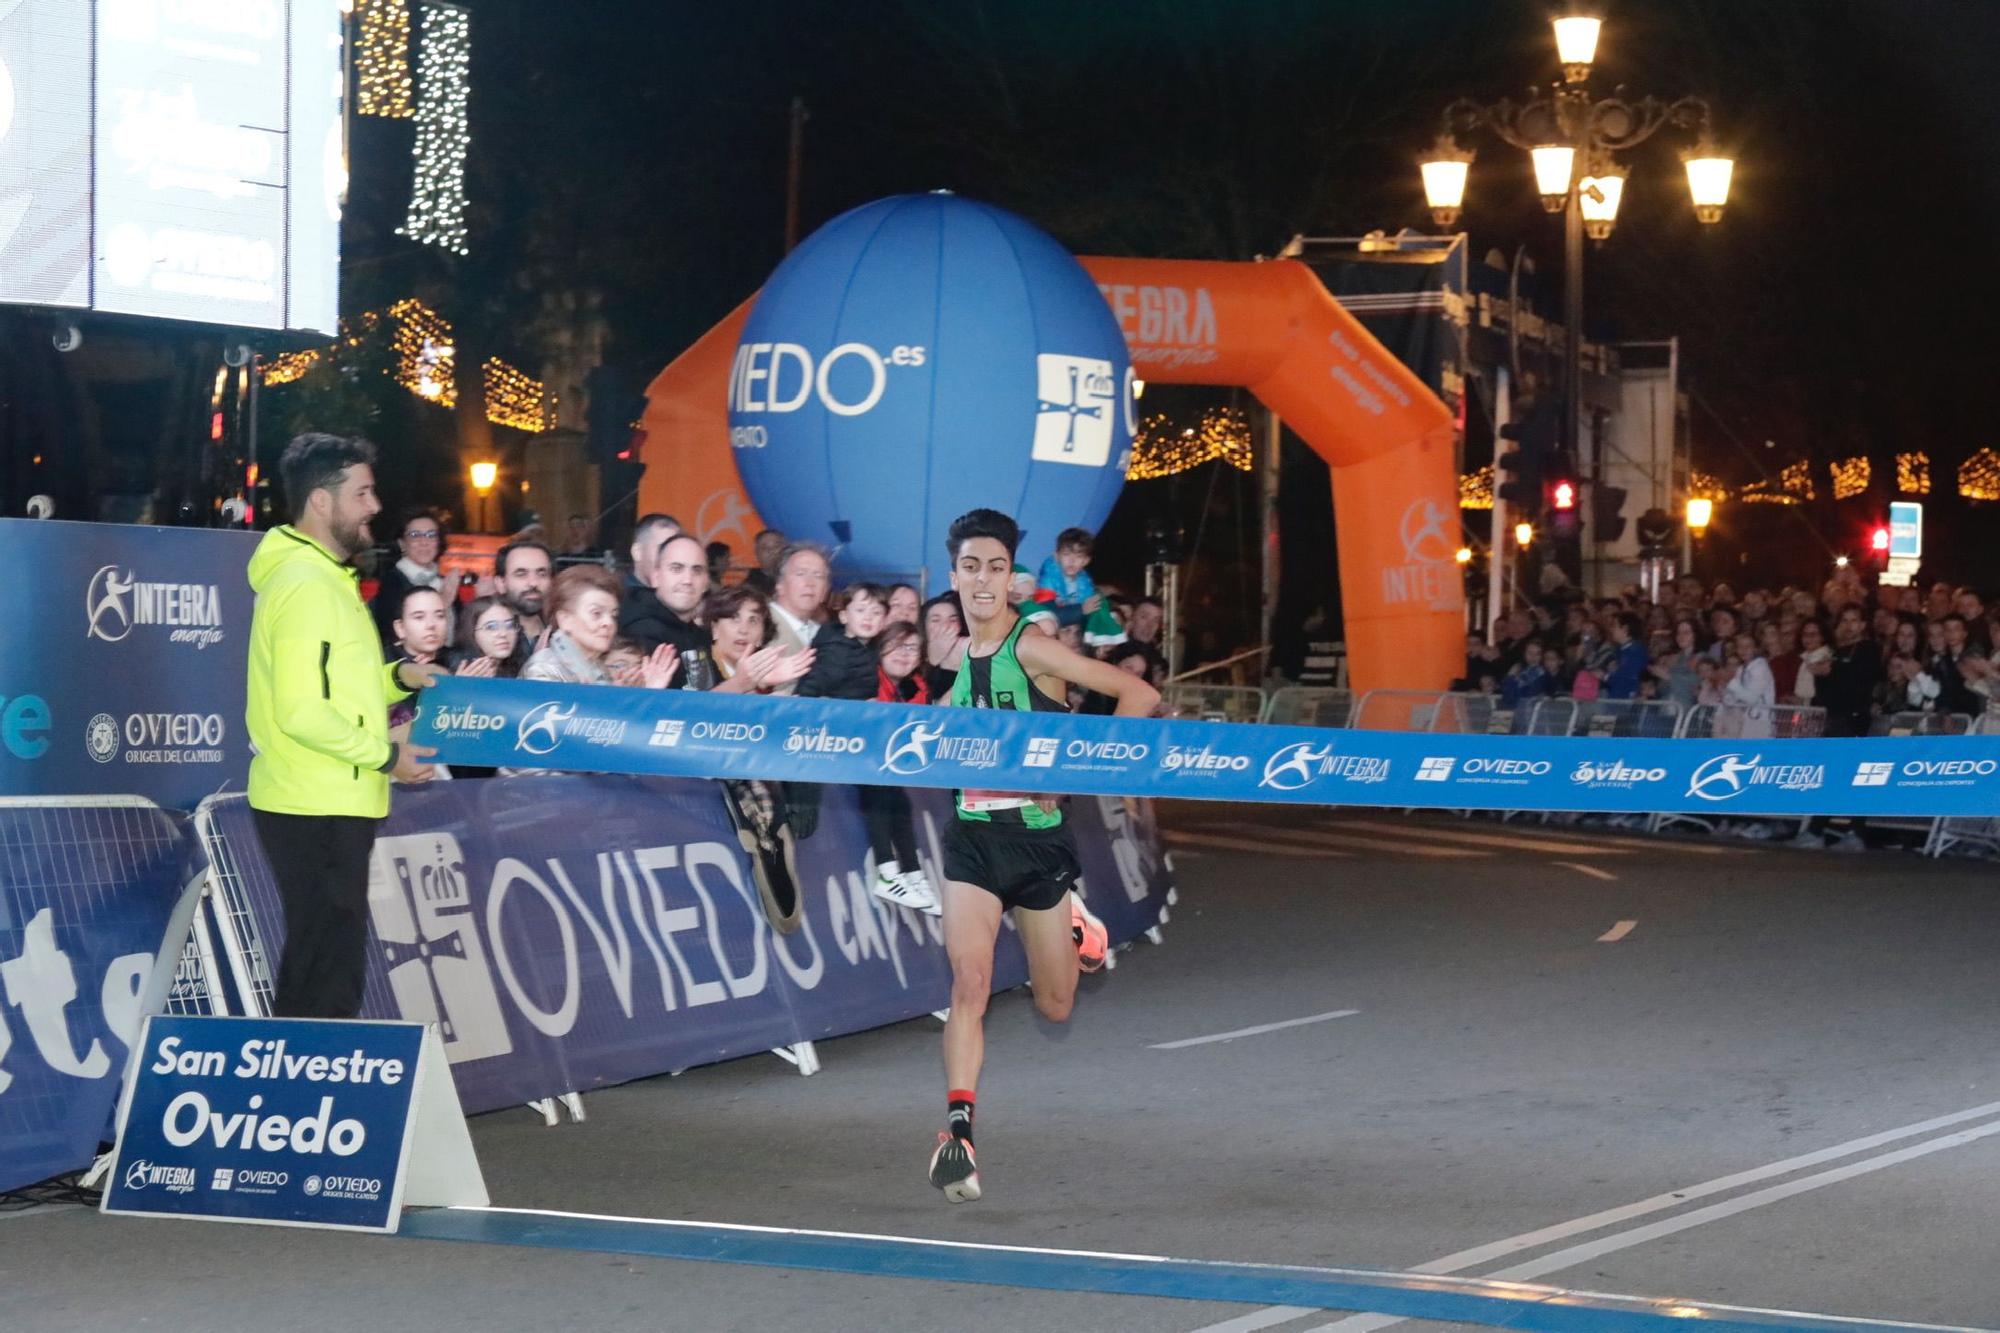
(410, 765)
(475, 666)
(657, 671)
(1048, 803)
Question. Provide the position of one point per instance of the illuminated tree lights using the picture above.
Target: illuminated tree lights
(1913, 474)
(382, 58)
(1160, 448)
(424, 362)
(1475, 489)
(1979, 476)
(437, 189)
(1850, 477)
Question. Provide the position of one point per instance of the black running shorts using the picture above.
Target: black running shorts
(1031, 868)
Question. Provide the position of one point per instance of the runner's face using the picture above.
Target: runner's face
(979, 575)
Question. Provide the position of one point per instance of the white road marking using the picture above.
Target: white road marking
(1528, 1240)
(1185, 837)
(1617, 932)
(1256, 1319)
(1589, 870)
(1410, 844)
(1252, 1032)
(1715, 1212)
(1512, 842)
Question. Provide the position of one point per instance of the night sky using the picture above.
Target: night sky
(638, 147)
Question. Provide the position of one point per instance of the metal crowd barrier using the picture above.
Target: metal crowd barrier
(1751, 722)
(1215, 703)
(1627, 718)
(1981, 832)
(1309, 706)
(1409, 710)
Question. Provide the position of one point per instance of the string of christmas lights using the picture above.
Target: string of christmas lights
(1979, 476)
(1913, 474)
(382, 59)
(425, 360)
(515, 398)
(1161, 448)
(1475, 489)
(444, 87)
(1850, 477)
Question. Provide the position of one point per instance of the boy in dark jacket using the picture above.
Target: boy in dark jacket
(847, 667)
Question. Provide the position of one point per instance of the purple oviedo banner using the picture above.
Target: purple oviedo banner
(569, 932)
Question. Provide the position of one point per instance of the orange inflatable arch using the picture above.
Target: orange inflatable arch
(1268, 327)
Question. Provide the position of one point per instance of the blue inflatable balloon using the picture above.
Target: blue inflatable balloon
(918, 357)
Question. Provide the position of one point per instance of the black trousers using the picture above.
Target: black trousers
(321, 865)
(892, 830)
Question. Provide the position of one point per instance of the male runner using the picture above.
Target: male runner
(1009, 849)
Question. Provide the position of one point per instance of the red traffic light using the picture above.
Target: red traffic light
(1563, 495)
(1879, 539)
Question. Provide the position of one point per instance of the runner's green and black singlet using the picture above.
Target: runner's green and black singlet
(998, 680)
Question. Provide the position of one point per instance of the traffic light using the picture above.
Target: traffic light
(1518, 471)
(1559, 499)
(1878, 540)
(1657, 529)
(1607, 522)
(1519, 474)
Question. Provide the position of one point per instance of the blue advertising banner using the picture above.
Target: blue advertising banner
(533, 724)
(88, 892)
(571, 932)
(124, 671)
(298, 1121)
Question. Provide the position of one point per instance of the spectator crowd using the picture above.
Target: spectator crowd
(1859, 653)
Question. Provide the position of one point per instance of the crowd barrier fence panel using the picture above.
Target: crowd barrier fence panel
(1215, 703)
(1977, 831)
(1751, 722)
(1626, 719)
(1309, 706)
(1407, 710)
(95, 913)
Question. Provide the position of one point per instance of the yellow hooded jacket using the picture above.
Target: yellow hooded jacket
(318, 708)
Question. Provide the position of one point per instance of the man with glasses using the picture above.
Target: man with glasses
(419, 543)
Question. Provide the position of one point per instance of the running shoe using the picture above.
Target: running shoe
(953, 1169)
(897, 891)
(1092, 940)
(917, 882)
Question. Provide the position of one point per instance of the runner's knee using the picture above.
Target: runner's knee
(970, 986)
(1055, 1008)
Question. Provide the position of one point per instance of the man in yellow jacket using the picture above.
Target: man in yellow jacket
(318, 712)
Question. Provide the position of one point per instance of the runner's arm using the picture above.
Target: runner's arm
(1042, 655)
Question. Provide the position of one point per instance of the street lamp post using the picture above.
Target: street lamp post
(1571, 137)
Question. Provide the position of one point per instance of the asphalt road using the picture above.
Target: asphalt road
(1701, 1070)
